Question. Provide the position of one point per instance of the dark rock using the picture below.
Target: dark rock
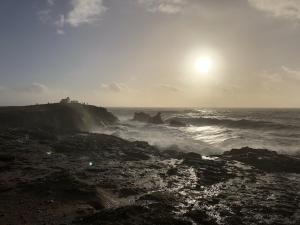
(135, 156)
(172, 171)
(146, 118)
(201, 217)
(192, 155)
(7, 158)
(263, 159)
(133, 215)
(176, 123)
(141, 117)
(133, 183)
(55, 117)
(156, 119)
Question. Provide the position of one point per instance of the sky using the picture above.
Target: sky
(151, 53)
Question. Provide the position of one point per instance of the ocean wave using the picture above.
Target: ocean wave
(241, 124)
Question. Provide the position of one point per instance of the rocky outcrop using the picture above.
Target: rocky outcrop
(263, 159)
(146, 118)
(156, 119)
(91, 179)
(176, 123)
(56, 117)
(141, 117)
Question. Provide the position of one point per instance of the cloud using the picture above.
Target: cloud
(280, 79)
(292, 72)
(80, 12)
(30, 94)
(284, 74)
(164, 6)
(51, 2)
(34, 88)
(168, 87)
(44, 15)
(85, 12)
(115, 87)
(60, 24)
(287, 9)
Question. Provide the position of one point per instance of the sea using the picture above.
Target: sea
(213, 130)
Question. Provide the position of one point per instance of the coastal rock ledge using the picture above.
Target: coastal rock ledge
(92, 179)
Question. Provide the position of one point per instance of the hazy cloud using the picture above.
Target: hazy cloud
(51, 2)
(163, 6)
(168, 87)
(277, 80)
(292, 72)
(34, 88)
(115, 87)
(30, 94)
(45, 15)
(288, 9)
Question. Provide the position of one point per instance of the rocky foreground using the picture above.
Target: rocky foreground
(89, 179)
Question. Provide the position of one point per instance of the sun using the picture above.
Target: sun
(204, 64)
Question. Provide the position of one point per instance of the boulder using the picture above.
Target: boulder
(263, 159)
(176, 123)
(156, 119)
(146, 118)
(141, 117)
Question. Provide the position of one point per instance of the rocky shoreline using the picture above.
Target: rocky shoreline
(84, 178)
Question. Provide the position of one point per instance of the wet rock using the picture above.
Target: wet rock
(134, 215)
(156, 119)
(135, 156)
(263, 159)
(201, 217)
(146, 118)
(134, 183)
(172, 171)
(192, 159)
(176, 123)
(7, 158)
(141, 117)
(65, 187)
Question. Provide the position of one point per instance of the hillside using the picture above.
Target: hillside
(56, 117)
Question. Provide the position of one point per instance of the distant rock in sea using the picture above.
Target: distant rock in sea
(141, 117)
(156, 119)
(176, 123)
(146, 118)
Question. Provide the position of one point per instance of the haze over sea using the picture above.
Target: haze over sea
(210, 131)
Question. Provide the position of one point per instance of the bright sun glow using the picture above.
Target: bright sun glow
(204, 64)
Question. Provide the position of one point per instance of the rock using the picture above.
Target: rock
(7, 158)
(172, 171)
(201, 217)
(263, 159)
(176, 123)
(193, 155)
(156, 119)
(135, 156)
(62, 118)
(146, 118)
(135, 183)
(141, 117)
